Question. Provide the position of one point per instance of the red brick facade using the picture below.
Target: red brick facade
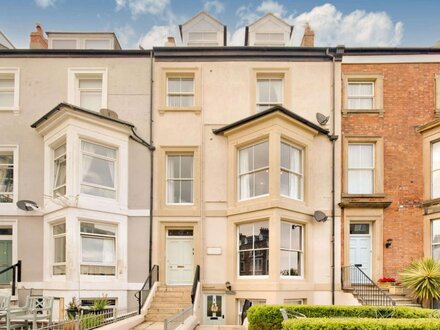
(409, 101)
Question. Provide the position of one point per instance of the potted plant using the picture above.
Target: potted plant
(385, 282)
(396, 288)
(99, 305)
(422, 277)
(73, 308)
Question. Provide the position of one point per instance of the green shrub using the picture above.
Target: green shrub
(264, 317)
(359, 323)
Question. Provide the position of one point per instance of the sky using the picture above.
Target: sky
(370, 23)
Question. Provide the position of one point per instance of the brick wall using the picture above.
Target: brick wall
(409, 101)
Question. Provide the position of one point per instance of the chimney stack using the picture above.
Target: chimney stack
(171, 42)
(308, 39)
(38, 40)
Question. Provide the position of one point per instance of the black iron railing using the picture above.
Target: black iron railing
(353, 277)
(142, 294)
(16, 274)
(195, 282)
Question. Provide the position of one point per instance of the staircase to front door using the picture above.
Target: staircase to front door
(168, 301)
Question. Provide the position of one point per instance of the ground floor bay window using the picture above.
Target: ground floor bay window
(98, 249)
(435, 239)
(253, 249)
(291, 252)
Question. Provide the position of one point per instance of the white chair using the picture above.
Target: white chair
(36, 309)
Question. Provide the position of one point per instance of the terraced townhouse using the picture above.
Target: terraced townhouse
(273, 169)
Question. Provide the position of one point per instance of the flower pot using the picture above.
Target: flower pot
(396, 290)
(384, 285)
(71, 313)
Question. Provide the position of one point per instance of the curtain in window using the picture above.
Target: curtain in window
(246, 183)
(360, 168)
(98, 250)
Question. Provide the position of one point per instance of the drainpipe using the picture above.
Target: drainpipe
(333, 138)
(150, 239)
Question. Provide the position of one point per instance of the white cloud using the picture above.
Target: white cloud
(138, 7)
(331, 26)
(358, 28)
(126, 36)
(214, 6)
(158, 35)
(269, 6)
(45, 3)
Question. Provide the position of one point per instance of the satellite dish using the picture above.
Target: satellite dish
(27, 206)
(320, 216)
(108, 113)
(322, 119)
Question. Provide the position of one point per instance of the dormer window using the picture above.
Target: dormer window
(203, 30)
(202, 38)
(268, 30)
(97, 44)
(269, 39)
(64, 44)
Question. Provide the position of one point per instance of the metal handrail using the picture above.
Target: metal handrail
(195, 282)
(353, 277)
(177, 319)
(142, 294)
(246, 305)
(16, 274)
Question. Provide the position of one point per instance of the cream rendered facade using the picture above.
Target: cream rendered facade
(45, 80)
(224, 93)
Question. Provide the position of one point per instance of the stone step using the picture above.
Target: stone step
(176, 294)
(174, 288)
(157, 317)
(176, 304)
(166, 299)
(164, 310)
(220, 327)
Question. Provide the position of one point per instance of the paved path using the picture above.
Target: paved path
(149, 326)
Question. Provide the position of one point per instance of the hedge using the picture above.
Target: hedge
(364, 324)
(264, 317)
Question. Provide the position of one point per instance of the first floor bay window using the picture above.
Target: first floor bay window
(253, 249)
(98, 249)
(59, 249)
(98, 170)
(253, 173)
(292, 255)
(291, 171)
(59, 180)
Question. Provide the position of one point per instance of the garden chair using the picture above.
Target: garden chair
(36, 309)
(295, 315)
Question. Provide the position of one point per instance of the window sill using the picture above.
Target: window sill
(363, 111)
(253, 277)
(195, 109)
(292, 278)
(15, 110)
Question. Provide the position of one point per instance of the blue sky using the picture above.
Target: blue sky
(148, 22)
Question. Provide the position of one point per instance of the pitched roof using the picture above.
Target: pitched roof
(274, 109)
(64, 105)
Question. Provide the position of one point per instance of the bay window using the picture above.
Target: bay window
(7, 176)
(98, 170)
(361, 168)
(180, 179)
(59, 180)
(292, 251)
(59, 249)
(435, 170)
(269, 93)
(253, 249)
(253, 173)
(291, 171)
(98, 248)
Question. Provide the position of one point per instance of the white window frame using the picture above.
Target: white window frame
(357, 97)
(253, 249)
(255, 170)
(254, 301)
(203, 41)
(115, 237)
(180, 93)
(53, 237)
(372, 169)
(110, 43)
(55, 167)
(51, 40)
(14, 150)
(74, 75)
(300, 276)
(116, 167)
(433, 170)
(291, 172)
(16, 72)
(269, 104)
(179, 179)
(270, 41)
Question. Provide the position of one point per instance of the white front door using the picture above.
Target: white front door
(179, 257)
(214, 309)
(360, 247)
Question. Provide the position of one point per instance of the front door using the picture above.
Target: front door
(214, 309)
(5, 260)
(179, 257)
(360, 247)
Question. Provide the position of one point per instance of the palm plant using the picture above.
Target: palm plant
(422, 277)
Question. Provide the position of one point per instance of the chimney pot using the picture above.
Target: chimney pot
(37, 38)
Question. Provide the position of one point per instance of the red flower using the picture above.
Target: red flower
(387, 279)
